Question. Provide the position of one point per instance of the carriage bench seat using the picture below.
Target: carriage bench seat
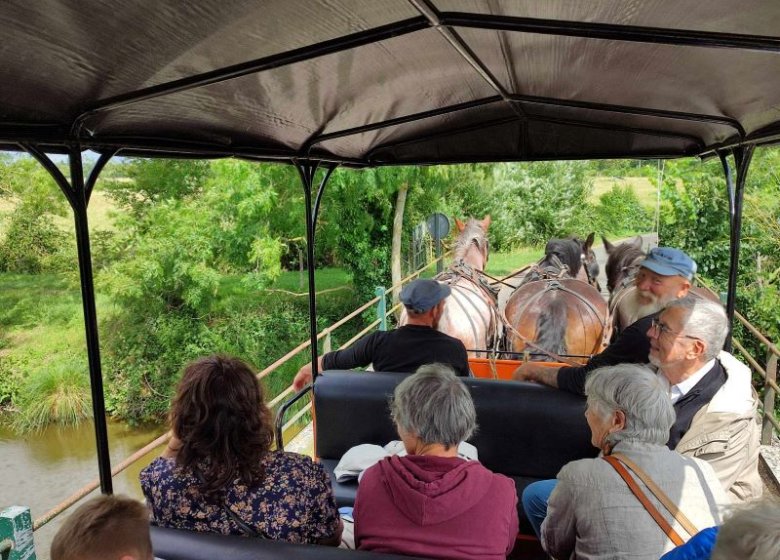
(525, 431)
(175, 544)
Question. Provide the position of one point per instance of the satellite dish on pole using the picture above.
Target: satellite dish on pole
(439, 228)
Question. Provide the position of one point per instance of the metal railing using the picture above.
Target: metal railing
(769, 375)
(768, 372)
(325, 334)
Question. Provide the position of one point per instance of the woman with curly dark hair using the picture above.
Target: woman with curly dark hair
(219, 474)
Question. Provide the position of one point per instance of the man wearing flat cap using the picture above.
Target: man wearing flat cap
(405, 348)
(664, 275)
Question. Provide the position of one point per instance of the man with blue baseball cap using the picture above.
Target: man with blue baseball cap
(405, 348)
(664, 275)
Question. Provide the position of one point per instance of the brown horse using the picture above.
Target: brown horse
(622, 265)
(552, 313)
(470, 311)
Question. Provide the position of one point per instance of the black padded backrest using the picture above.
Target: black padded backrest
(174, 544)
(351, 408)
(528, 430)
(525, 429)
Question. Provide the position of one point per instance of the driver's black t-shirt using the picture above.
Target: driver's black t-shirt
(403, 350)
(631, 346)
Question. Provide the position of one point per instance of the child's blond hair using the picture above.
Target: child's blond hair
(104, 528)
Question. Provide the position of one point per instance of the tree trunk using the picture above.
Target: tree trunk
(398, 226)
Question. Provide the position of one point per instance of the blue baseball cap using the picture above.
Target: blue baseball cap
(421, 295)
(667, 261)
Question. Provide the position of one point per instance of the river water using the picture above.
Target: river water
(41, 470)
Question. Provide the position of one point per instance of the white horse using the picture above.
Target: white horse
(470, 311)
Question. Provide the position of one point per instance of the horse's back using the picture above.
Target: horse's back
(532, 308)
(469, 315)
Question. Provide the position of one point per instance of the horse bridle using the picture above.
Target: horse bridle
(584, 261)
(554, 284)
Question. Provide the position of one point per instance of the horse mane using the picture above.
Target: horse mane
(472, 233)
(568, 251)
(620, 257)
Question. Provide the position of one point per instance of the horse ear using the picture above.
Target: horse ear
(460, 225)
(589, 241)
(609, 247)
(486, 222)
(637, 242)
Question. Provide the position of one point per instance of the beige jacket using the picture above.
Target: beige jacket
(592, 514)
(725, 433)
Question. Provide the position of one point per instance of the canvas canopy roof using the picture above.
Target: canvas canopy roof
(391, 81)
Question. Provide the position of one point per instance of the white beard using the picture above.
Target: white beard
(635, 305)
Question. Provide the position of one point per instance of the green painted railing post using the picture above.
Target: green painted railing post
(381, 308)
(16, 534)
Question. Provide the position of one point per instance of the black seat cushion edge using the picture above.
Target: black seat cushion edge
(344, 492)
(176, 544)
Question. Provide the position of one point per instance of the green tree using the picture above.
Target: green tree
(31, 242)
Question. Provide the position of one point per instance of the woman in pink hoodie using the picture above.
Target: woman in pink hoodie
(432, 503)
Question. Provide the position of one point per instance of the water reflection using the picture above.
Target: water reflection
(41, 470)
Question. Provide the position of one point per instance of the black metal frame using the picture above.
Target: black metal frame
(40, 138)
(78, 193)
(307, 171)
(742, 158)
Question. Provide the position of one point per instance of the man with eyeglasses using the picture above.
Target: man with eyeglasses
(664, 275)
(713, 397)
(711, 391)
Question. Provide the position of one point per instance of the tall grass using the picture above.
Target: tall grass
(55, 393)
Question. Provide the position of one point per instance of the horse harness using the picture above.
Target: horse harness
(461, 270)
(555, 270)
(629, 274)
(556, 285)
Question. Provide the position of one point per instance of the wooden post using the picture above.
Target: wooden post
(769, 398)
(16, 534)
(327, 344)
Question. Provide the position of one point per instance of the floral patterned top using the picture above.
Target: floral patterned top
(293, 503)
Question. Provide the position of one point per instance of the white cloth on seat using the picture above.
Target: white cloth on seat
(357, 459)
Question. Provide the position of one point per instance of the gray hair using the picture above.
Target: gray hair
(704, 319)
(751, 533)
(636, 391)
(434, 405)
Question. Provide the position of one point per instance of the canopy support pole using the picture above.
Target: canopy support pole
(742, 159)
(307, 170)
(78, 192)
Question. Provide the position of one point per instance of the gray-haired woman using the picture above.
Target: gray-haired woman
(430, 502)
(592, 512)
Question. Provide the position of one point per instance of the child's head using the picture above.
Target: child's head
(105, 528)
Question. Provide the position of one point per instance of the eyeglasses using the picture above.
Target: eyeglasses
(663, 329)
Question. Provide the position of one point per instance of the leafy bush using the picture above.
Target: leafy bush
(535, 202)
(33, 244)
(694, 216)
(144, 362)
(619, 212)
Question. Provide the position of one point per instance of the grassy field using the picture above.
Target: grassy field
(501, 264)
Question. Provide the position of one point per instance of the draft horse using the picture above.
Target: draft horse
(623, 262)
(471, 310)
(553, 313)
